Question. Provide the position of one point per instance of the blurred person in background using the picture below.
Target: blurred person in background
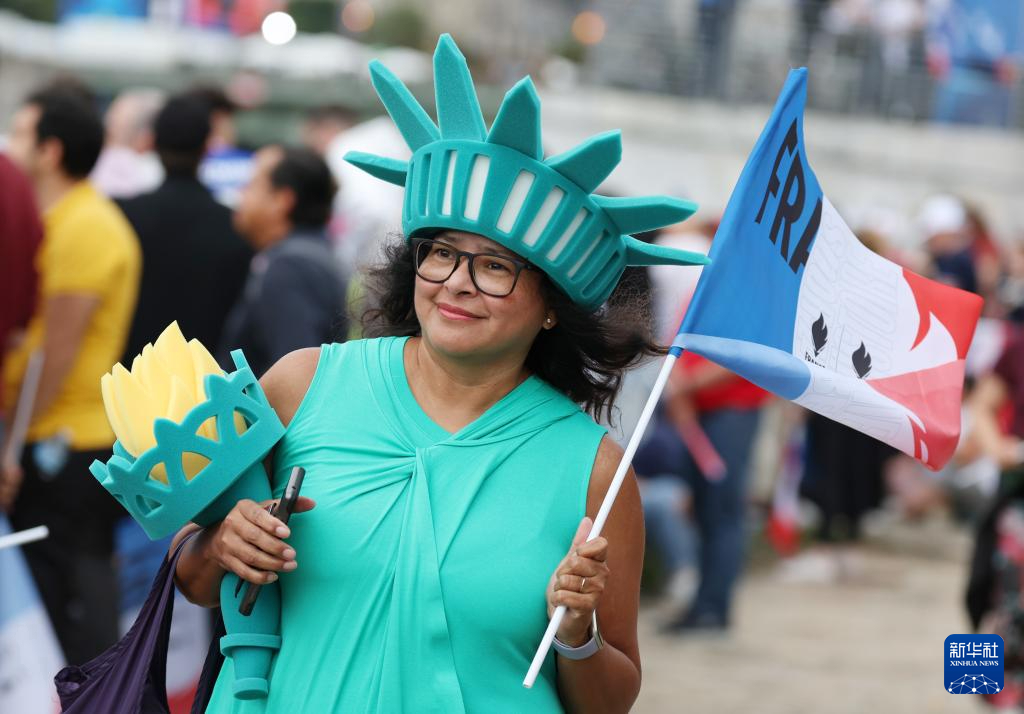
(321, 128)
(20, 234)
(715, 21)
(809, 19)
(668, 499)
(942, 221)
(194, 264)
(990, 261)
(844, 477)
(727, 408)
(226, 168)
(365, 209)
(295, 294)
(900, 26)
(89, 265)
(995, 599)
(974, 51)
(1011, 290)
(323, 124)
(971, 480)
(997, 406)
(668, 509)
(703, 436)
(128, 164)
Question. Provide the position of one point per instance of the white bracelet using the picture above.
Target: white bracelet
(587, 649)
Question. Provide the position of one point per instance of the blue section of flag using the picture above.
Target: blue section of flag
(777, 371)
(764, 240)
(17, 590)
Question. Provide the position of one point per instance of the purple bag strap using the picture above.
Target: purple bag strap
(211, 669)
(130, 677)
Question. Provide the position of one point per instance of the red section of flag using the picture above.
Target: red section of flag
(957, 309)
(933, 396)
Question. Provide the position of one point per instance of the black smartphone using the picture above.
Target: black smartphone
(282, 510)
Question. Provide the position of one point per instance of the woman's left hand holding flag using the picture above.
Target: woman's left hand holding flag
(578, 583)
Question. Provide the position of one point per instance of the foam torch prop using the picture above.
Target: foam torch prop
(190, 444)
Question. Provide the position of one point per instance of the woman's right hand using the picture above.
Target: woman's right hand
(249, 542)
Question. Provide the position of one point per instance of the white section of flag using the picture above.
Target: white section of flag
(861, 299)
(851, 286)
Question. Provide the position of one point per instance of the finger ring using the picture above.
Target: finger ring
(583, 583)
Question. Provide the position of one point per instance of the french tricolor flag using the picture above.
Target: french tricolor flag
(793, 302)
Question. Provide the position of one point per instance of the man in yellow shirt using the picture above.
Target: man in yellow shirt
(89, 266)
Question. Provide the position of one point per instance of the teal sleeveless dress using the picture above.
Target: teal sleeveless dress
(423, 568)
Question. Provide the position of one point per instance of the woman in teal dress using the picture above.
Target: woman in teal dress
(452, 461)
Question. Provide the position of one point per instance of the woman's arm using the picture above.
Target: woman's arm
(984, 403)
(248, 541)
(608, 681)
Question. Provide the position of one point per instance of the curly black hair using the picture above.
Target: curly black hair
(584, 356)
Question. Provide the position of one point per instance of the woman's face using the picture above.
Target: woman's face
(461, 322)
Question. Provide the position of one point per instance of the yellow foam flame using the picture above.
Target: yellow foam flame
(165, 381)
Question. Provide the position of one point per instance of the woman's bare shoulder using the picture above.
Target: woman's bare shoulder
(606, 463)
(287, 382)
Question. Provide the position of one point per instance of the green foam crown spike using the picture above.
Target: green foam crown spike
(590, 163)
(517, 125)
(391, 170)
(497, 183)
(458, 109)
(645, 213)
(412, 121)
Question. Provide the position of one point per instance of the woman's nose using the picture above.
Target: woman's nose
(461, 281)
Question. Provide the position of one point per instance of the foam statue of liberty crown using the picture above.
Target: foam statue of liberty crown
(190, 444)
(496, 183)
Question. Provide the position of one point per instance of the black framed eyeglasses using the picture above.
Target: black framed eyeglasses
(492, 274)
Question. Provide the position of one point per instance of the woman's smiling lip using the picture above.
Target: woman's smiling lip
(455, 313)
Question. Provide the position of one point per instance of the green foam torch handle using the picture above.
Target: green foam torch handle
(234, 472)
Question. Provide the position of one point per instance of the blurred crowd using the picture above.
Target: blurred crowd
(115, 224)
(732, 459)
(955, 61)
(724, 464)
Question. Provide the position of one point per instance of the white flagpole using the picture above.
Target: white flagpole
(26, 536)
(606, 505)
(23, 411)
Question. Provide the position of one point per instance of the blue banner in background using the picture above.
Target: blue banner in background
(980, 32)
(105, 8)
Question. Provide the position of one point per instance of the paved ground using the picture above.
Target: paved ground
(872, 645)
